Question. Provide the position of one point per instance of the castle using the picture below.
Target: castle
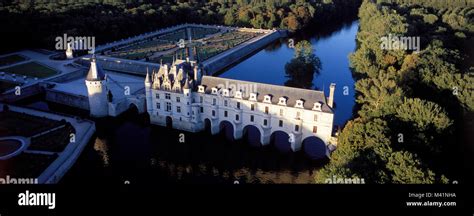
(184, 99)
(181, 95)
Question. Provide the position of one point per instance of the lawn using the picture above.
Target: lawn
(14, 123)
(11, 59)
(6, 85)
(31, 69)
(54, 141)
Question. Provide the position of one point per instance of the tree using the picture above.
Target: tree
(379, 97)
(303, 66)
(407, 169)
(423, 114)
(229, 18)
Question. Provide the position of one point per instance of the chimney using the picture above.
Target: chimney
(332, 87)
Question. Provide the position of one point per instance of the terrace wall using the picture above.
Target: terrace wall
(9, 96)
(78, 101)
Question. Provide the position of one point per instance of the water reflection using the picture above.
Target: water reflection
(103, 150)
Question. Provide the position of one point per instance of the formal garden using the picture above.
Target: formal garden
(208, 41)
(11, 59)
(31, 69)
(46, 135)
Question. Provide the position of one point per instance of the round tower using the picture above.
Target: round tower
(97, 90)
(148, 83)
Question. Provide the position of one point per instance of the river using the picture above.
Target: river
(128, 150)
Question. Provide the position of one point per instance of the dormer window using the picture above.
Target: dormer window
(253, 97)
(282, 101)
(214, 90)
(299, 103)
(317, 106)
(201, 89)
(238, 94)
(267, 99)
(225, 92)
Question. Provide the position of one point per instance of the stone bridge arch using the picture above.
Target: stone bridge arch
(253, 135)
(315, 148)
(281, 141)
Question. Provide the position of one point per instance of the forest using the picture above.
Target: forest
(35, 24)
(412, 107)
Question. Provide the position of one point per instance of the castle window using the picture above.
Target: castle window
(297, 128)
(252, 107)
(213, 113)
(280, 123)
(214, 101)
(201, 89)
(178, 99)
(315, 117)
(265, 122)
(267, 99)
(281, 112)
(317, 106)
(168, 106)
(251, 118)
(266, 110)
(225, 102)
(298, 115)
(178, 109)
(299, 104)
(157, 96)
(200, 99)
(168, 96)
(236, 117)
(282, 101)
(202, 109)
(158, 105)
(253, 96)
(238, 105)
(225, 113)
(315, 129)
(238, 94)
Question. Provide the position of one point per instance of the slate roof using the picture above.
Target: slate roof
(95, 72)
(292, 94)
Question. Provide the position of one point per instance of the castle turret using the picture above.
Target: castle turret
(97, 90)
(69, 53)
(148, 93)
(187, 100)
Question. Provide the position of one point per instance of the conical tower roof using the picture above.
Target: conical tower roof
(95, 72)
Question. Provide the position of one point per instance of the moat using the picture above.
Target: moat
(128, 149)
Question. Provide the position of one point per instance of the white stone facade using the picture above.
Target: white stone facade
(301, 114)
(98, 88)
